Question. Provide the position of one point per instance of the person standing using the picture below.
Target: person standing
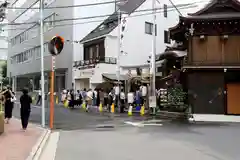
(122, 101)
(78, 98)
(25, 101)
(8, 104)
(89, 98)
(71, 99)
(39, 97)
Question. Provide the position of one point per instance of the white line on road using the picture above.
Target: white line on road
(134, 124)
(49, 152)
(142, 124)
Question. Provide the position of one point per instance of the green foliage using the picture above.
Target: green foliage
(5, 79)
(4, 70)
(176, 96)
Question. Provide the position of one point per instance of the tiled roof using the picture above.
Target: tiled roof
(104, 28)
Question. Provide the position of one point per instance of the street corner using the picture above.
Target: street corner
(18, 144)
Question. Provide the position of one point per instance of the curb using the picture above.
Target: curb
(39, 146)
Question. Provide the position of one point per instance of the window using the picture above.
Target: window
(166, 37)
(149, 28)
(92, 52)
(165, 10)
(29, 54)
(50, 24)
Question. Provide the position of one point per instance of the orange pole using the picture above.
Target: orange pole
(52, 95)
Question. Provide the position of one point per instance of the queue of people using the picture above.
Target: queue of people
(95, 97)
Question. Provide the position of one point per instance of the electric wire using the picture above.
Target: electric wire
(131, 16)
(70, 6)
(92, 17)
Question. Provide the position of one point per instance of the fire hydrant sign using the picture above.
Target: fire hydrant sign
(152, 102)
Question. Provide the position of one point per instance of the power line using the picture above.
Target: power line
(94, 21)
(62, 25)
(69, 6)
(92, 17)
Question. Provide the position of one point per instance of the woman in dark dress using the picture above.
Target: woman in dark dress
(25, 101)
(8, 104)
(71, 102)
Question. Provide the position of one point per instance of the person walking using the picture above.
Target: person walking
(25, 110)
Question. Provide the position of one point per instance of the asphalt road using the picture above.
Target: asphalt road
(92, 136)
(67, 119)
(168, 141)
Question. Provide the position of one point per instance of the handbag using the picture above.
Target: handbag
(13, 99)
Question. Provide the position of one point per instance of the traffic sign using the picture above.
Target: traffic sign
(55, 46)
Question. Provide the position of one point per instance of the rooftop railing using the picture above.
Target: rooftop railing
(92, 62)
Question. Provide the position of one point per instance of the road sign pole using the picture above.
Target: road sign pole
(52, 94)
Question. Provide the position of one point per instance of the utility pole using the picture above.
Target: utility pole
(42, 63)
(153, 61)
(119, 54)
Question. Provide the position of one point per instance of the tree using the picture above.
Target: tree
(4, 70)
(5, 79)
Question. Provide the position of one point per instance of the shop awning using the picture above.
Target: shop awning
(114, 77)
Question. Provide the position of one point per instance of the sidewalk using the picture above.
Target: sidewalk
(16, 144)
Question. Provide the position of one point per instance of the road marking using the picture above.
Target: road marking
(135, 124)
(142, 124)
(49, 152)
(152, 124)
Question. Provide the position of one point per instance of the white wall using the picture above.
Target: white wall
(87, 25)
(136, 43)
(94, 75)
(3, 42)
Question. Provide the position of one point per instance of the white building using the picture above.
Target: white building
(100, 46)
(72, 22)
(3, 42)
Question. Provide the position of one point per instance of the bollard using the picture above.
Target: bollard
(66, 104)
(100, 108)
(57, 100)
(112, 108)
(84, 105)
(130, 110)
(142, 111)
(1, 122)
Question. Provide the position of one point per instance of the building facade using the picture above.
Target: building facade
(212, 64)
(24, 47)
(100, 46)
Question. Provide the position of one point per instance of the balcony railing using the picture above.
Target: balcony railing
(92, 62)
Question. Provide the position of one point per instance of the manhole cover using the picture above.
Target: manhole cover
(105, 126)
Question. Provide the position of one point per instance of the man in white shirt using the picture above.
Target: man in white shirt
(122, 101)
(116, 93)
(143, 90)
